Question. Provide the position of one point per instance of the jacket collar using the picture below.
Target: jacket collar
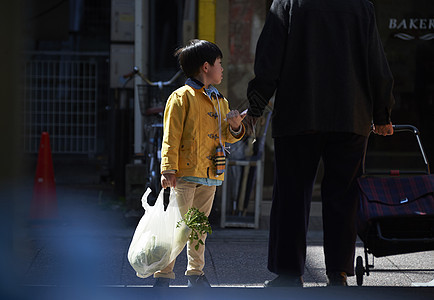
(196, 84)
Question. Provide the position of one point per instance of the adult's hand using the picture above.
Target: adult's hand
(383, 129)
(168, 180)
(250, 123)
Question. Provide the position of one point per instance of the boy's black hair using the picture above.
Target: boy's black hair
(192, 56)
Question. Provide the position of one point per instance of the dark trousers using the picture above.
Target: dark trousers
(296, 163)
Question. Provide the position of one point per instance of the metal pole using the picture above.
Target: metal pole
(140, 60)
(224, 199)
(206, 20)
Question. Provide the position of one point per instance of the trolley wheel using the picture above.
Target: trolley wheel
(360, 270)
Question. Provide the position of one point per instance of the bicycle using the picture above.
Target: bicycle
(152, 99)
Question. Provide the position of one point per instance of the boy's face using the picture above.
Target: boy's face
(215, 72)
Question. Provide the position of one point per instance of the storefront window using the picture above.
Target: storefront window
(407, 31)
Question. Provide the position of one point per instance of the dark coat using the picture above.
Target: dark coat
(325, 60)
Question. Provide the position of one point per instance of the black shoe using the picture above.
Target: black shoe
(199, 281)
(161, 282)
(285, 281)
(337, 279)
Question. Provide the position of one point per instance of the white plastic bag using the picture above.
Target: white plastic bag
(157, 241)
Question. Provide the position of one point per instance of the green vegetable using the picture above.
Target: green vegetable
(154, 255)
(198, 223)
(154, 252)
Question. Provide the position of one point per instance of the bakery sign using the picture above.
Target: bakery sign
(412, 28)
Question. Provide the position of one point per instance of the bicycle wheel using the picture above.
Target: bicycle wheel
(153, 160)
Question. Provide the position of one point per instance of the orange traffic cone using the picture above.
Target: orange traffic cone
(44, 202)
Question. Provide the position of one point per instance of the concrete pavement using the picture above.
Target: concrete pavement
(83, 255)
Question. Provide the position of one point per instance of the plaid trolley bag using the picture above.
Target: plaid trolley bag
(396, 213)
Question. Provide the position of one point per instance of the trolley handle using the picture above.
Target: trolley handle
(401, 128)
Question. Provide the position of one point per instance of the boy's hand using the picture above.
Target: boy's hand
(234, 118)
(168, 180)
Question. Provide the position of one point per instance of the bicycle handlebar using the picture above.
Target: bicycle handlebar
(160, 84)
(128, 75)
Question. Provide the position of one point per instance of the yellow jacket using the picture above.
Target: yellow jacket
(191, 132)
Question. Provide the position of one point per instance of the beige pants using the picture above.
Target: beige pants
(201, 197)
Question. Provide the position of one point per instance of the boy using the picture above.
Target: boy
(197, 122)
